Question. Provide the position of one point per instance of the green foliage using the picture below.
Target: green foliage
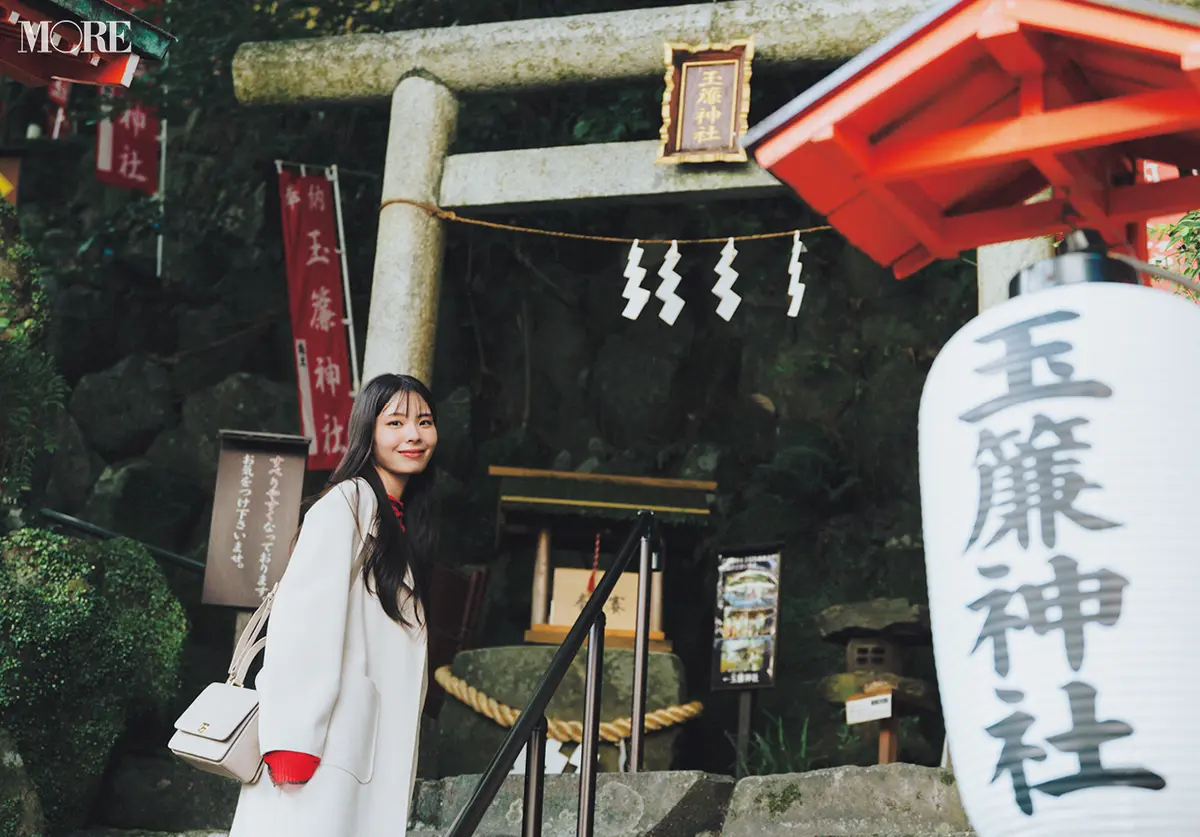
(90, 635)
(22, 300)
(1185, 237)
(33, 393)
(12, 818)
(774, 751)
(32, 389)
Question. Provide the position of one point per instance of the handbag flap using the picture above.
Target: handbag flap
(218, 712)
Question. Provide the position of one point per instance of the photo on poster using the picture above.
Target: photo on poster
(746, 618)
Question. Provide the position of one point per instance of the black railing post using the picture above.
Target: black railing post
(641, 655)
(591, 728)
(535, 781)
(589, 625)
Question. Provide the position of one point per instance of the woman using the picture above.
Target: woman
(343, 683)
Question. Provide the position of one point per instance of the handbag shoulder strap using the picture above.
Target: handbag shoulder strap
(249, 644)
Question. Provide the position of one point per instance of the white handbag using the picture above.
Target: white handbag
(219, 732)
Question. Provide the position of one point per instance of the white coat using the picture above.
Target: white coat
(340, 681)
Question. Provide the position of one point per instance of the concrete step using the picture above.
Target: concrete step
(115, 832)
(164, 798)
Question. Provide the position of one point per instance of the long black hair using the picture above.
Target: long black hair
(391, 553)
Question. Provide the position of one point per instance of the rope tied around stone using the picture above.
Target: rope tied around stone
(449, 215)
(562, 731)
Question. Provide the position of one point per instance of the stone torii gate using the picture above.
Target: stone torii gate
(423, 70)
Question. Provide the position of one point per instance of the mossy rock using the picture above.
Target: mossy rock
(468, 740)
(90, 635)
(910, 693)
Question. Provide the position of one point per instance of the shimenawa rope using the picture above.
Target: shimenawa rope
(448, 215)
(562, 731)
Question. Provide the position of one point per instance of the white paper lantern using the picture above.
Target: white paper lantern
(1059, 464)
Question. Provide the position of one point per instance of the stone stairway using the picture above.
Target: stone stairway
(163, 798)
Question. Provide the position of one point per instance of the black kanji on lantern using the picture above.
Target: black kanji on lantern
(1083, 741)
(1036, 476)
(1015, 753)
(1030, 483)
(1072, 601)
(1018, 364)
(997, 622)
(1069, 603)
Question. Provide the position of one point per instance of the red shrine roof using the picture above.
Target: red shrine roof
(930, 142)
(36, 68)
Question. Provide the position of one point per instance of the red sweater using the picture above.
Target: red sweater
(290, 768)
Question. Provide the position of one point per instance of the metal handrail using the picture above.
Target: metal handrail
(530, 728)
(100, 532)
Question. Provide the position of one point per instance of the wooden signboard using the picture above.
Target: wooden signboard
(878, 705)
(570, 593)
(863, 708)
(256, 509)
(706, 103)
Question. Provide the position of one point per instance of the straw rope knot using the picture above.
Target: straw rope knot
(562, 731)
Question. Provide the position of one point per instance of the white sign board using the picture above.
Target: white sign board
(1059, 459)
(870, 708)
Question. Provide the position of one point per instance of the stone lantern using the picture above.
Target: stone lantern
(878, 637)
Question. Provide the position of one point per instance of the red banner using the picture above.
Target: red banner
(314, 279)
(127, 148)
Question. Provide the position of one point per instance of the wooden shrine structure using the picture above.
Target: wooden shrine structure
(453, 622)
(65, 59)
(581, 513)
(934, 140)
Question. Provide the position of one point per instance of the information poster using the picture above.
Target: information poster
(746, 621)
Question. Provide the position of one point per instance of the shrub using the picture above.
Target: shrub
(33, 393)
(90, 635)
(32, 389)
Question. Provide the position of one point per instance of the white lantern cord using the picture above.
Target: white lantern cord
(1155, 270)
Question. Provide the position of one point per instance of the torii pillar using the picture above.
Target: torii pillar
(408, 251)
